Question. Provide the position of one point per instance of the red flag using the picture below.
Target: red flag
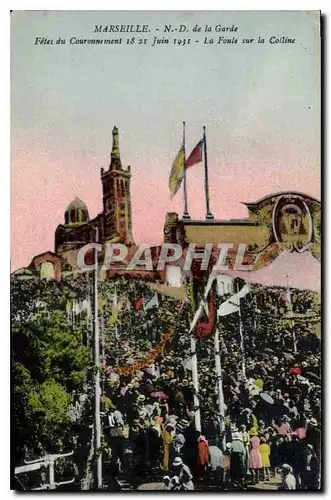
(196, 155)
(139, 303)
(204, 329)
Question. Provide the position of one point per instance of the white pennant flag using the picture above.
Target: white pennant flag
(233, 303)
(153, 302)
(203, 303)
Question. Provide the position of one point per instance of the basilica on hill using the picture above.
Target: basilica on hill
(277, 222)
(113, 224)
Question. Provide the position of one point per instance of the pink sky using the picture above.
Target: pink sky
(260, 104)
(41, 190)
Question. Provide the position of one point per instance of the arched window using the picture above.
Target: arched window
(73, 216)
(47, 270)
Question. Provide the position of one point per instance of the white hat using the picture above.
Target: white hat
(313, 422)
(287, 467)
(177, 461)
(237, 436)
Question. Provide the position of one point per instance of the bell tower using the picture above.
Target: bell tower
(117, 197)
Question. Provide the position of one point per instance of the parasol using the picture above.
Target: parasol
(267, 398)
(159, 394)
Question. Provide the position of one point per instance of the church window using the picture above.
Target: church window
(73, 216)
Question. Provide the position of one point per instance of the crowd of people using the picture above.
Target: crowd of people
(270, 429)
(272, 410)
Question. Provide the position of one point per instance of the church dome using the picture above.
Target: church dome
(76, 212)
(76, 204)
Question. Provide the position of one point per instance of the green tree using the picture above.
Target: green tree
(49, 363)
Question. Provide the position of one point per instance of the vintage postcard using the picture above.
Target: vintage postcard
(166, 250)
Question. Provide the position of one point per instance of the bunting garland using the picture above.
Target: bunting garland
(149, 359)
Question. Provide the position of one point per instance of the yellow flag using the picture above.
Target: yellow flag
(100, 302)
(177, 172)
(68, 305)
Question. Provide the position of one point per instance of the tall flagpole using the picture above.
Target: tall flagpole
(194, 363)
(291, 315)
(186, 215)
(97, 418)
(243, 364)
(209, 215)
(194, 360)
(221, 408)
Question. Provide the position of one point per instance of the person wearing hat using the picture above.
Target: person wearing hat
(313, 436)
(288, 479)
(248, 418)
(167, 436)
(178, 441)
(203, 454)
(216, 462)
(156, 411)
(139, 443)
(190, 449)
(245, 436)
(155, 442)
(183, 473)
(255, 460)
(310, 476)
(237, 459)
(167, 484)
(300, 428)
(141, 399)
(164, 408)
(265, 457)
(137, 407)
(284, 428)
(115, 434)
(293, 410)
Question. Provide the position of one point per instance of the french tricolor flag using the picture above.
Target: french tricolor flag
(196, 155)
